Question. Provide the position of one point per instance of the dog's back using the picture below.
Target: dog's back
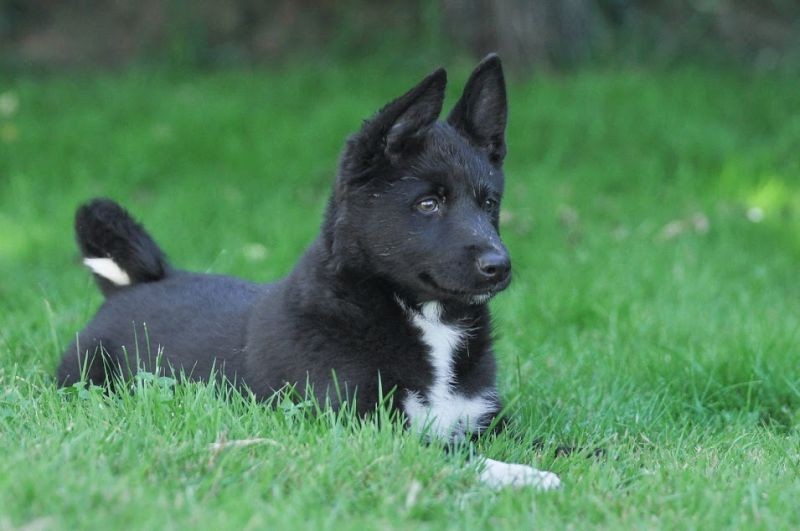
(149, 304)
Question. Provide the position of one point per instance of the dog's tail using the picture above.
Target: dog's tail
(116, 248)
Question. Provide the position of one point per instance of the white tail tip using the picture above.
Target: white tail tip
(109, 270)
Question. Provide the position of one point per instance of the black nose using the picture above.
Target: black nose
(494, 266)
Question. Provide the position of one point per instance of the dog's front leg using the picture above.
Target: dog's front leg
(498, 475)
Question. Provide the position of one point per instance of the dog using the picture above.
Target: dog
(392, 294)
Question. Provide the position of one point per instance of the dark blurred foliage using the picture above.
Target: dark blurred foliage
(550, 34)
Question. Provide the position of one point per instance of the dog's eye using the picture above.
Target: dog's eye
(429, 205)
(490, 205)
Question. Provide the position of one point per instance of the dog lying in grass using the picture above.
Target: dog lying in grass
(391, 295)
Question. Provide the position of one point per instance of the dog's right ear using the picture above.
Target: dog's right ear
(482, 111)
(400, 125)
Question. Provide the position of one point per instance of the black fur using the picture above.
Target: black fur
(413, 217)
(104, 230)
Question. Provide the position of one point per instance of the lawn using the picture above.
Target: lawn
(654, 224)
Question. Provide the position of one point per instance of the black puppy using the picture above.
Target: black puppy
(394, 289)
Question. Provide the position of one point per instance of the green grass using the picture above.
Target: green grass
(649, 316)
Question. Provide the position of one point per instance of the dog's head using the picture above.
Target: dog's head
(417, 200)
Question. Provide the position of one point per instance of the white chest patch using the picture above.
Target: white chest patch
(443, 412)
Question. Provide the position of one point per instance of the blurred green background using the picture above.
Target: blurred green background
(531, 35)
(652, 213)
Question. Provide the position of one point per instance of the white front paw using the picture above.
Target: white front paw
(497, 475)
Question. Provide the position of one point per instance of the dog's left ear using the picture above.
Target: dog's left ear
(395, 130)
(405, 120)
(482, 111)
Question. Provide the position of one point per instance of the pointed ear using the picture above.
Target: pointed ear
(482, 111)
(404, 121)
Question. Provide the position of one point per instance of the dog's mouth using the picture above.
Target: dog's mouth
(470, 296)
